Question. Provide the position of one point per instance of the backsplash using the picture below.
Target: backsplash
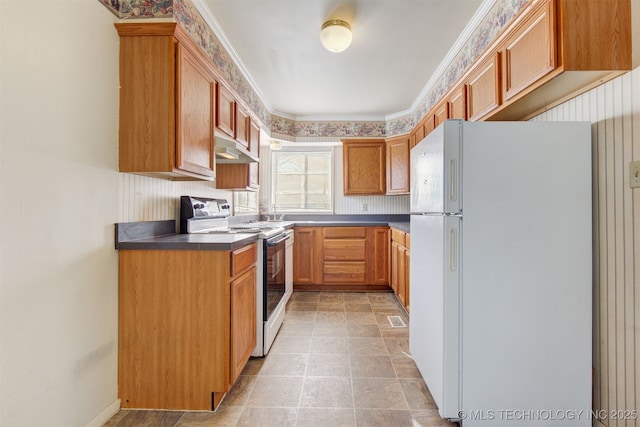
(150, 199)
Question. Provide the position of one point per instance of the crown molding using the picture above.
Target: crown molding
(213, 23)
(460, 42)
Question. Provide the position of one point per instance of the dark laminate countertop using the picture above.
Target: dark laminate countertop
(161, 235)
(402, 226)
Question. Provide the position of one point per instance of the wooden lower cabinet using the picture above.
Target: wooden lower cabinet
(400, 265)
(186, 326)
(345, 258)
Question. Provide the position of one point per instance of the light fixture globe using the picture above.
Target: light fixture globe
(335, 35)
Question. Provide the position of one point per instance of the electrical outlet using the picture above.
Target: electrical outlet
(634, 174)
(365, 207)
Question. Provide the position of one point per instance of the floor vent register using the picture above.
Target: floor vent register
(396, 322)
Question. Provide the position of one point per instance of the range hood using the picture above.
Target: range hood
(229, 151)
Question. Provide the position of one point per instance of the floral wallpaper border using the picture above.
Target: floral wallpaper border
(187, 15)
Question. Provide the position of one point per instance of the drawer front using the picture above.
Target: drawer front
(344, 232)
(344, 250)
(397, 236)
(344, 272)
(243, 258)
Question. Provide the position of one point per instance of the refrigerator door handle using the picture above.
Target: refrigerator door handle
(453, 250)
(453, 177)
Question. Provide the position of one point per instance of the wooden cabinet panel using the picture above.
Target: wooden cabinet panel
(419, 133)
(242, 126)
(400, 258)
(254, 138)
(364, 167)
(173, 328)
(344, 249)
(441, 113)
(429, 124)
(398, 158)
(166, 104)
(483, 88)
(243, 258)
(226, 112)
(530, 53)
(457, 103)
(195, 115)
(343, 232)
(243, 320)
(352, 257)
(344, 272)
(238, 176)
(307, 256)
(378, 249)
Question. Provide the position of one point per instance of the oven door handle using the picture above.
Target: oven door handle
(275, 240)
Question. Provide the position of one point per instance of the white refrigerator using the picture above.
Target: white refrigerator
(501, 276)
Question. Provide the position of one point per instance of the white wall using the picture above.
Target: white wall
(58, 286)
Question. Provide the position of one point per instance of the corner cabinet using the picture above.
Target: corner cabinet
(364, 166)
(186, 325)
(167, 104)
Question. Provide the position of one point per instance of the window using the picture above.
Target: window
(301, 181)
(245, 202)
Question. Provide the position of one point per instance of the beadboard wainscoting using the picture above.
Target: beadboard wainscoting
(614, 110)
(144, 198)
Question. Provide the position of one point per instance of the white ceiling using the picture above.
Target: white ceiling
(397, 46)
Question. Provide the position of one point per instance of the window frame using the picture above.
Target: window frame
(303, 149)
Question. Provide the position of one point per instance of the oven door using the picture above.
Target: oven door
(274, 269)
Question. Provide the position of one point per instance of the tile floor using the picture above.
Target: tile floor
(337, 361)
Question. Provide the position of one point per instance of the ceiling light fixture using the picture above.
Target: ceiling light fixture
(335, 35)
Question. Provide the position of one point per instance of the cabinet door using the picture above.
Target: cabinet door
(378, 249)
(441, 113)
(398, 165)
(364, 167)
(238, 176)
(226, 112)
(254, 138)
(401, 290)
(457, 103)
(483, 88)
(242, 126)
(394, 266)
(243, 320)
(195, 116)
(307, 258)
(407, 270)
(429, 124)
(529, 53)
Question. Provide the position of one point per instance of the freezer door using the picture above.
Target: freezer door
(436, 171)
(434, 333)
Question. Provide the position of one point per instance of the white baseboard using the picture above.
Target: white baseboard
(105, 415)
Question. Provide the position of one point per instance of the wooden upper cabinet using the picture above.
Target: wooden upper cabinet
(195, 116)
(458, 103)
(429, 123)
(226, 112)
(483, 88)
(441, 112)
(398, 158)
(254, 138)
(530, 52)
(364, 166)
(242, 126)
(166, 103)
